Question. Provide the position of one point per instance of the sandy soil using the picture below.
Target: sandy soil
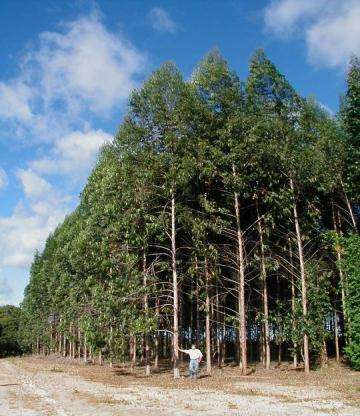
(32, 386)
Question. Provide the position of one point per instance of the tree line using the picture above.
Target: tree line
(224, 213)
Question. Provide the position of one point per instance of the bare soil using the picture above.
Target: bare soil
(38, 385)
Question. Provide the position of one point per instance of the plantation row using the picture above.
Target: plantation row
(224, 213)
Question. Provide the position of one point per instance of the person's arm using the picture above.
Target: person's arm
(185, 351)
(200, 357)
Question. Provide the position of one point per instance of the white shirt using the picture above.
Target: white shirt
(194, 354)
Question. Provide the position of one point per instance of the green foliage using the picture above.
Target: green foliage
(351, 265)
(350, 114)
(10, 343)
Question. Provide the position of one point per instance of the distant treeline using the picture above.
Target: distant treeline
(10, 340)
(224, 213)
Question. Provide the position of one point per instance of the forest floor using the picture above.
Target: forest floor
(37, 385)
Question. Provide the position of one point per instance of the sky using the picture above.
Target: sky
(67, 68)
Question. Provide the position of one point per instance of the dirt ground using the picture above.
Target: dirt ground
(39, 385)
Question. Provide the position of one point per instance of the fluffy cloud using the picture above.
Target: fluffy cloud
(87, 65)
(3, 179)
(161, 20)
(15, 100)
(75, 152)
(34, 186)
(26, 229)
(330, 28)
(82, 68)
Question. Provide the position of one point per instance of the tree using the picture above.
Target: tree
(10, 342)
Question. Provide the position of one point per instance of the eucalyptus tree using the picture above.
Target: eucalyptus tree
(270, 93)
(221, 93)
(160, 113)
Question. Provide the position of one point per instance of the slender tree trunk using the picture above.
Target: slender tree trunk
(175, 292)
(58, 343)
(85, 349)
(64, 345)
(79, 342)
(146, 307)
(218, 329)
(111, 346)
(351, 212)
(338, 256)
(223, 336)
(157, 314)
(262, 345)
(133, 351)
(197, 305)
(207, 320)
(265, 293)
(303, 278)
(241, 284)
(280, 354)
(293, 297)
(336, 330)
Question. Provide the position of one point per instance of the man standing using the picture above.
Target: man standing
(195, 358)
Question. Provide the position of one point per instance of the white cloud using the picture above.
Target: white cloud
(332, 40)
(161, 20)
(26, 229)
(82, 68)
(34, 186)
(87, 65)
(75, 152)
(3, 179)
(15, 101)
(283, 16)
(330, 28)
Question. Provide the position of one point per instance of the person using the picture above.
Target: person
(195, 359)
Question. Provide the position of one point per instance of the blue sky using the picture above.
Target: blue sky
(67, 67)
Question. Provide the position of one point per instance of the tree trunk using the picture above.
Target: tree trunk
(146, 307)
(303, 278)
(111, 346)
(324, 354)
(175, 292)
(293, 297)
(157, 314)
(218, 329)
(351, 212)
(197, 306)
(223, 336)
(133, 352)
(338, 256)
(265, 293)
(207, 320)
(85, 349)
(79, 343)
(336, 330)
(241, 284)
(64, 345)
